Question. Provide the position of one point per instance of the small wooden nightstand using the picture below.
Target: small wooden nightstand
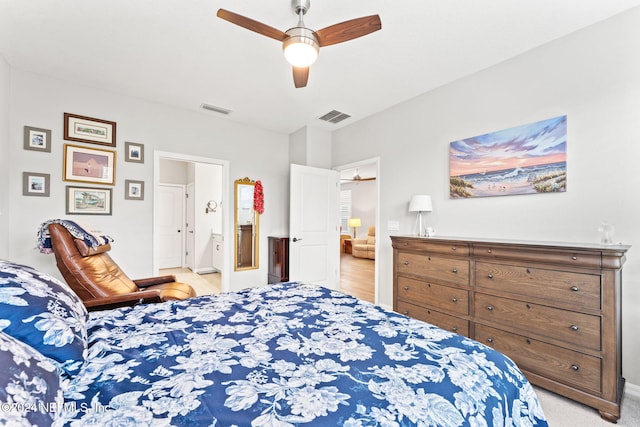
(347, 246)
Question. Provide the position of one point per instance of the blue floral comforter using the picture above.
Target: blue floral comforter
(289, 355)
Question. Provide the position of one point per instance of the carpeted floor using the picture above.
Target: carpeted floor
(562, 412)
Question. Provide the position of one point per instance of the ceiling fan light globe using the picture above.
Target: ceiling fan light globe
(301, 47)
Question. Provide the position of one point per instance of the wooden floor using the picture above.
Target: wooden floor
(357, 277)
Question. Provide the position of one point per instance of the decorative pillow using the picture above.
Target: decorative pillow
(30, 391)
(44, 313)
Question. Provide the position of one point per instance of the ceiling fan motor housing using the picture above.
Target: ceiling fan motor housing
(300, 6)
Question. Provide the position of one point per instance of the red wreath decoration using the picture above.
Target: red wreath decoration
(258, 198)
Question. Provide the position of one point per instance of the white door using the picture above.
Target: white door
(170, 226)
(190, 227)
(314, 240)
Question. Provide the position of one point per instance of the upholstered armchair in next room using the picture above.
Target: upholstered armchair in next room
(365, 248)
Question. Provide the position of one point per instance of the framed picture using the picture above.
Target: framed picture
(134, 152)
(37, 139)
(91, 165)
(35, 184)
(526, 159)
(88, 129)
(88, 201)
(133, 190)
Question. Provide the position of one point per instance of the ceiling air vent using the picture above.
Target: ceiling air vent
(215, 109)
(334, 116)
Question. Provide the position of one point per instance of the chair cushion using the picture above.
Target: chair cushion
(44, 313)
(29, 382)
(174, 290)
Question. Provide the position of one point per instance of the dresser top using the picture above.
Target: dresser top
(529, 243)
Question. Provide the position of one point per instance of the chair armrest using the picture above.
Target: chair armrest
(125, 300)
(358, 242)
(149, 281)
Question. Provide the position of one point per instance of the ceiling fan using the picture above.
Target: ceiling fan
(300, 44)
(357, 177)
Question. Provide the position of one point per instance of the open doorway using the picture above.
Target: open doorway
(190, 220)
(359, 206)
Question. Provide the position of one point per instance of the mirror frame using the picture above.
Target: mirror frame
(236, 227)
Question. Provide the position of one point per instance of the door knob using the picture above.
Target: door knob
(295, 239)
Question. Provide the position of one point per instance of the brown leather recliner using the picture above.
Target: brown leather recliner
(98, 280)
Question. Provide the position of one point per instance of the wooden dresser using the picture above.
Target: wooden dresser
(278, 259)
(554, 308)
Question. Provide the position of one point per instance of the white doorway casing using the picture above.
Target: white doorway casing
(222, 207)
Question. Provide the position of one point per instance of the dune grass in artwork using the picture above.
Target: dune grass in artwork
(526, 159)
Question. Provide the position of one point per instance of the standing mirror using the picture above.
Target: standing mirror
(246, 226)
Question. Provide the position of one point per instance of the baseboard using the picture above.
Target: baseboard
(632, 390)
(205, 270)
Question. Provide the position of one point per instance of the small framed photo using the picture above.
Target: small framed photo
(37, 139)
(134, 152)
(133, 190)
(88, 201)
(91, 165)
(88, 129)
(35, 184)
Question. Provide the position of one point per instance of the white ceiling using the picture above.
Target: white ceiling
(179, 53)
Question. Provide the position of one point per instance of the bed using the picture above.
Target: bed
(288, 354)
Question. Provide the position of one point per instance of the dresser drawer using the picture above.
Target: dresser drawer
(578, 289)
(437, 269)
(444, 298)
(581, 330)
(441, 320)
(564, 257)
(569, 367)
(433, 247)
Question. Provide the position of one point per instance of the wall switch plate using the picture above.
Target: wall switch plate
(393, 225)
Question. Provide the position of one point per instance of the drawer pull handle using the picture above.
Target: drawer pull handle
(406, 288)
(406, 263)
(455, 270)
(575, 327)
(528, 341)
(489, 339)
(490, 307)
(406, 312)
(453, 248)
(528, 271)
(454, 329)
(575, 367)
(489, 251)
(574, 257)
(575, 288)
(490, 276)
(454, 299)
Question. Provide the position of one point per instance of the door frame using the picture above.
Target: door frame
(227, 266)
(360, 163)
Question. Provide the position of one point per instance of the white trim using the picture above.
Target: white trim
(226, 192)
(353, 165)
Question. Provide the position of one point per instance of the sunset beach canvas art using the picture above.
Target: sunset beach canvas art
(527, 159)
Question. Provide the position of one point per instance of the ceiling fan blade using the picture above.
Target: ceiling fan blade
(348, 30)
(300, 76)
(252, 25)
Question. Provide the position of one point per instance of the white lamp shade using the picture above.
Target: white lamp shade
(355, 222)
(421, 203)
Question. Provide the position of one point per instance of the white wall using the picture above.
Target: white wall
(40, 101)
(5, 175)
(592, 76)
(363, 203)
